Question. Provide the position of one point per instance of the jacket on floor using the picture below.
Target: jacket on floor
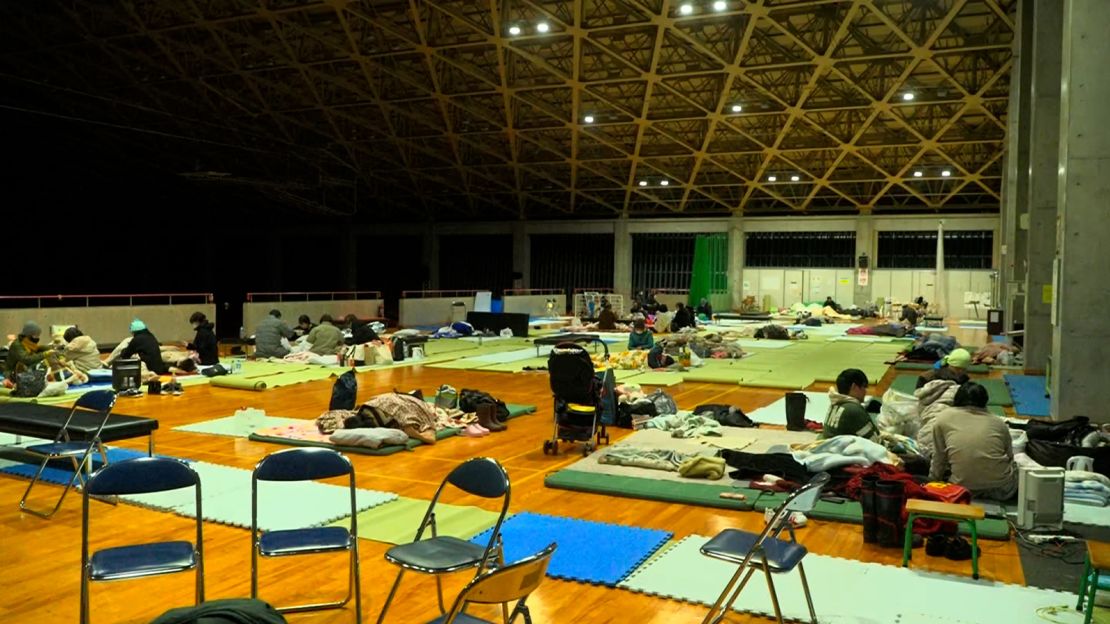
(206, 345)
(145, 345)
(848, 417)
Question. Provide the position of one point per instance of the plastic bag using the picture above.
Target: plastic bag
(663, 402)
(506, 333)
(899, 415)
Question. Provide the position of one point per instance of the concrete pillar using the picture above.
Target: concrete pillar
(1044, 154)
(1015, 187)
(431, 256)
(522, 255)
(865, 244)
(735, 261)
(622, 258)
(1078, 368)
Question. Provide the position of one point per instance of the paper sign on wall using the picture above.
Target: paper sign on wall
(844, 281)
(1046, 294)
(863, 277)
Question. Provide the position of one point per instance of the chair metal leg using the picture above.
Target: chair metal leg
(439, 594)
(34, 480)
(774, 595)
(1092, 589)
(389, 599)
(720, 607)
(1083, 580)
(356, 579)
(84, 595)
(805, 588)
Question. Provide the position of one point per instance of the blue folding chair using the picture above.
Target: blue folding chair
(438, 555)
(306, 464)
(144, 475)
(62, 447)
(765, 551)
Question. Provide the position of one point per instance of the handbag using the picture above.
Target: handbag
(447, 397)
(29, 383)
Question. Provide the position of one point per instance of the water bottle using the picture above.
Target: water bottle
(237, 367)
(242, 332)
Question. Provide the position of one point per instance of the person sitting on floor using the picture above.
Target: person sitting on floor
(640, 338)
(361, 333)
(146, 346)
(830, 303)
(81, 350)
(304, 326)
(847, 415)
(271, 336)
(909, 316)
(606, 320)
(952, 367)
(682, 318)
(973, 447)
(325, 338)
(204, 343)
(932, 399)
(25, 352)
(704, 311)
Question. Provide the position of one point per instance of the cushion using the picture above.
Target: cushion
(371, 437)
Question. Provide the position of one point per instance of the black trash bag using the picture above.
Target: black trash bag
(1049, 453)
(344, 392)
(1069, 432)
(224, 611)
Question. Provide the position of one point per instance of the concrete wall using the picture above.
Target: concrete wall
(108, 324)
(254, 312)
(907, 284)
(534, 305)
(430, 310)
(789, 286)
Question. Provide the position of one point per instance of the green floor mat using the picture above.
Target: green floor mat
(924, 366)
(657, 378)
(785, 380)
(694, 493)
(396, 522)
(516, 367)
(621, 374)
(996, 388)
(851, 512)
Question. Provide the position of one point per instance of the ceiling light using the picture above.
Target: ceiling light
(664, 182)
(588, 119)
(643, 182)
(794, 178)
(686, 9)
(720, 5)
(946, 173)
(907, 97)
(542, 27)
(918, 174)
(772, 178)
(514, 30)
(736, 108)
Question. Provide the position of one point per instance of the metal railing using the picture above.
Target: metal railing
(534, 291)
(421, 294)
(58, 301)
(314, 295)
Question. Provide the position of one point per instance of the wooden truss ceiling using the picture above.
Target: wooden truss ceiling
(435, 109)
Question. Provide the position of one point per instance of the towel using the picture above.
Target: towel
(712, 468)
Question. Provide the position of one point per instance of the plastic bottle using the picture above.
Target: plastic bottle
(242, 332)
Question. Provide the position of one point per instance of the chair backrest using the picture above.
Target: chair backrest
(480, 476)
(142, 475)
(97, 400)
(571, 373)
(505, 584)
(302, 464)
(802, 499)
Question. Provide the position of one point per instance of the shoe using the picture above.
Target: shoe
(475, 431)
(487, 417)
(958, 549)
(937, 545)
(917, 541)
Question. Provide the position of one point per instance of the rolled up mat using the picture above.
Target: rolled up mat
(239, 382)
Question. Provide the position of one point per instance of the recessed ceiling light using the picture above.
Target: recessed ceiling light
(664, 182)
(736, 108)
(542, 27)
(794, 178)
(945, 173)
(907, 96)
(588, 119)
(514, 30)
(686, 9)
(918, 174)
(772, 178)
(720, 5)
(643, 182)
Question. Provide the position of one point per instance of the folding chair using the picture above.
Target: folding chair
(306, 464)
(63, 448)
(144, 475)
(515, 581)
(765, 551)
(438, 555)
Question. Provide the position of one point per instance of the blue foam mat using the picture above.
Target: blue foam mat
(62, 476)
(588, 552)
(1028, 393)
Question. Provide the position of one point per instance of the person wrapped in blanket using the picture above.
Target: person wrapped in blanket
(973, 447)
(778, 332)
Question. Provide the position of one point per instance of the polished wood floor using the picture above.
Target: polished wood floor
(40, 558)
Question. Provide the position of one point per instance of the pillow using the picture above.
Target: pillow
(370, 437)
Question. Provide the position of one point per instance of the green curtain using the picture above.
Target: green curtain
(710, 271)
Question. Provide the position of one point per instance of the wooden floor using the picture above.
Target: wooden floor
(40, 558)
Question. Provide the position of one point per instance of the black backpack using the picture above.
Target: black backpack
(344, 392)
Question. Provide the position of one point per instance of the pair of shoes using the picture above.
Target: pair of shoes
(959, 549)
(937, 545)
(475, 431)
(487, 418)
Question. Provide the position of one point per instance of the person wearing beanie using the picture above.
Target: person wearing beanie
(146, 347)
(204, 343)
(952, 367)
(268, 336)
(25, 352)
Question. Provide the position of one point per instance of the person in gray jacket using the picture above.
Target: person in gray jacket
(268, 335)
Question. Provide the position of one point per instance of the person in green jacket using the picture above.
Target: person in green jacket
(640, 338)
(25, 351)
(325, 338)
(847, 415)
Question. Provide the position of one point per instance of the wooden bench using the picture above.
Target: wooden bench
(1098, 560)
(943, 511)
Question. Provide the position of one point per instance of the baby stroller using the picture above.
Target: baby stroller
(584, 398)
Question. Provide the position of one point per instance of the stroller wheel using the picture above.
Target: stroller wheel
(587, 448)
(547, 447)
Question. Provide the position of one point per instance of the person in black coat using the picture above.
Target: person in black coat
(204, 343)
(145, 345)
(683, 317)
(361, 333)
